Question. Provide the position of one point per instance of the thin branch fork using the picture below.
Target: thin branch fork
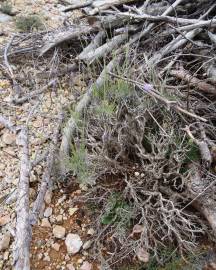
(35, 93)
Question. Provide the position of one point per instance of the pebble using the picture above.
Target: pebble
(60, 200)
(86, 266)
(48, 197)
(71, 211)
(45, 223)
(70, 267)
(4, 220)
(59, 218)
(48, 212)
(46, 258)
(143, 255)
(5, 241)
(73, 243)
(136, 174)
(6, 256)
(9, 138)
(56, 246)
(40, 256)
(87, 244)
(91, 231)
(59, 231)
(32, 193)
(67, 258)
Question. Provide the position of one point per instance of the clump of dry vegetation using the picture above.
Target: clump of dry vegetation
(142, 137)
(6, 7)
(29, 23)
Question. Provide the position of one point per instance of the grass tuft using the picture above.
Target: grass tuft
(6, 8)
(29, 23)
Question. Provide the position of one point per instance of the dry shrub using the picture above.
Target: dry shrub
(139, 154)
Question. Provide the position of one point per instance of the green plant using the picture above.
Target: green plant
(107, 108)
(113, 90)
(78, 162)
(116, 211)
(6, 8)
(28, 23)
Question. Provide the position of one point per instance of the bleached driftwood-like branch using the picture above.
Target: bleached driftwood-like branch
(23, 227)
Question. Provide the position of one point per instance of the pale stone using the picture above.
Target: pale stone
(56, 246)
(71, 211)
(87, 244)
(86, 266)
(91, 231)
(59, 218)
(73, 243)
(48, 197)
(70, 267)
(48, 212)
(136, 174)
(45, 223)
(8, 138)
(59, 231)
(4, 220)
(5, 241)
(143, 255)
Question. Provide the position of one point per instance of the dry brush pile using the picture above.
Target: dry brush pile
(142, 137)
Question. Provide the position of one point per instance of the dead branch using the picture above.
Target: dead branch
(102, 51)
(23, 228)
(77, 6)
(95, 43)
(68, 35)
(200, 197)
(35, 93)
(100, 5)
(163, 18)
(203, 147)
(16, 86)
(46, 178)
(193, 81)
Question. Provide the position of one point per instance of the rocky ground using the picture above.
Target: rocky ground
(62, 237)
